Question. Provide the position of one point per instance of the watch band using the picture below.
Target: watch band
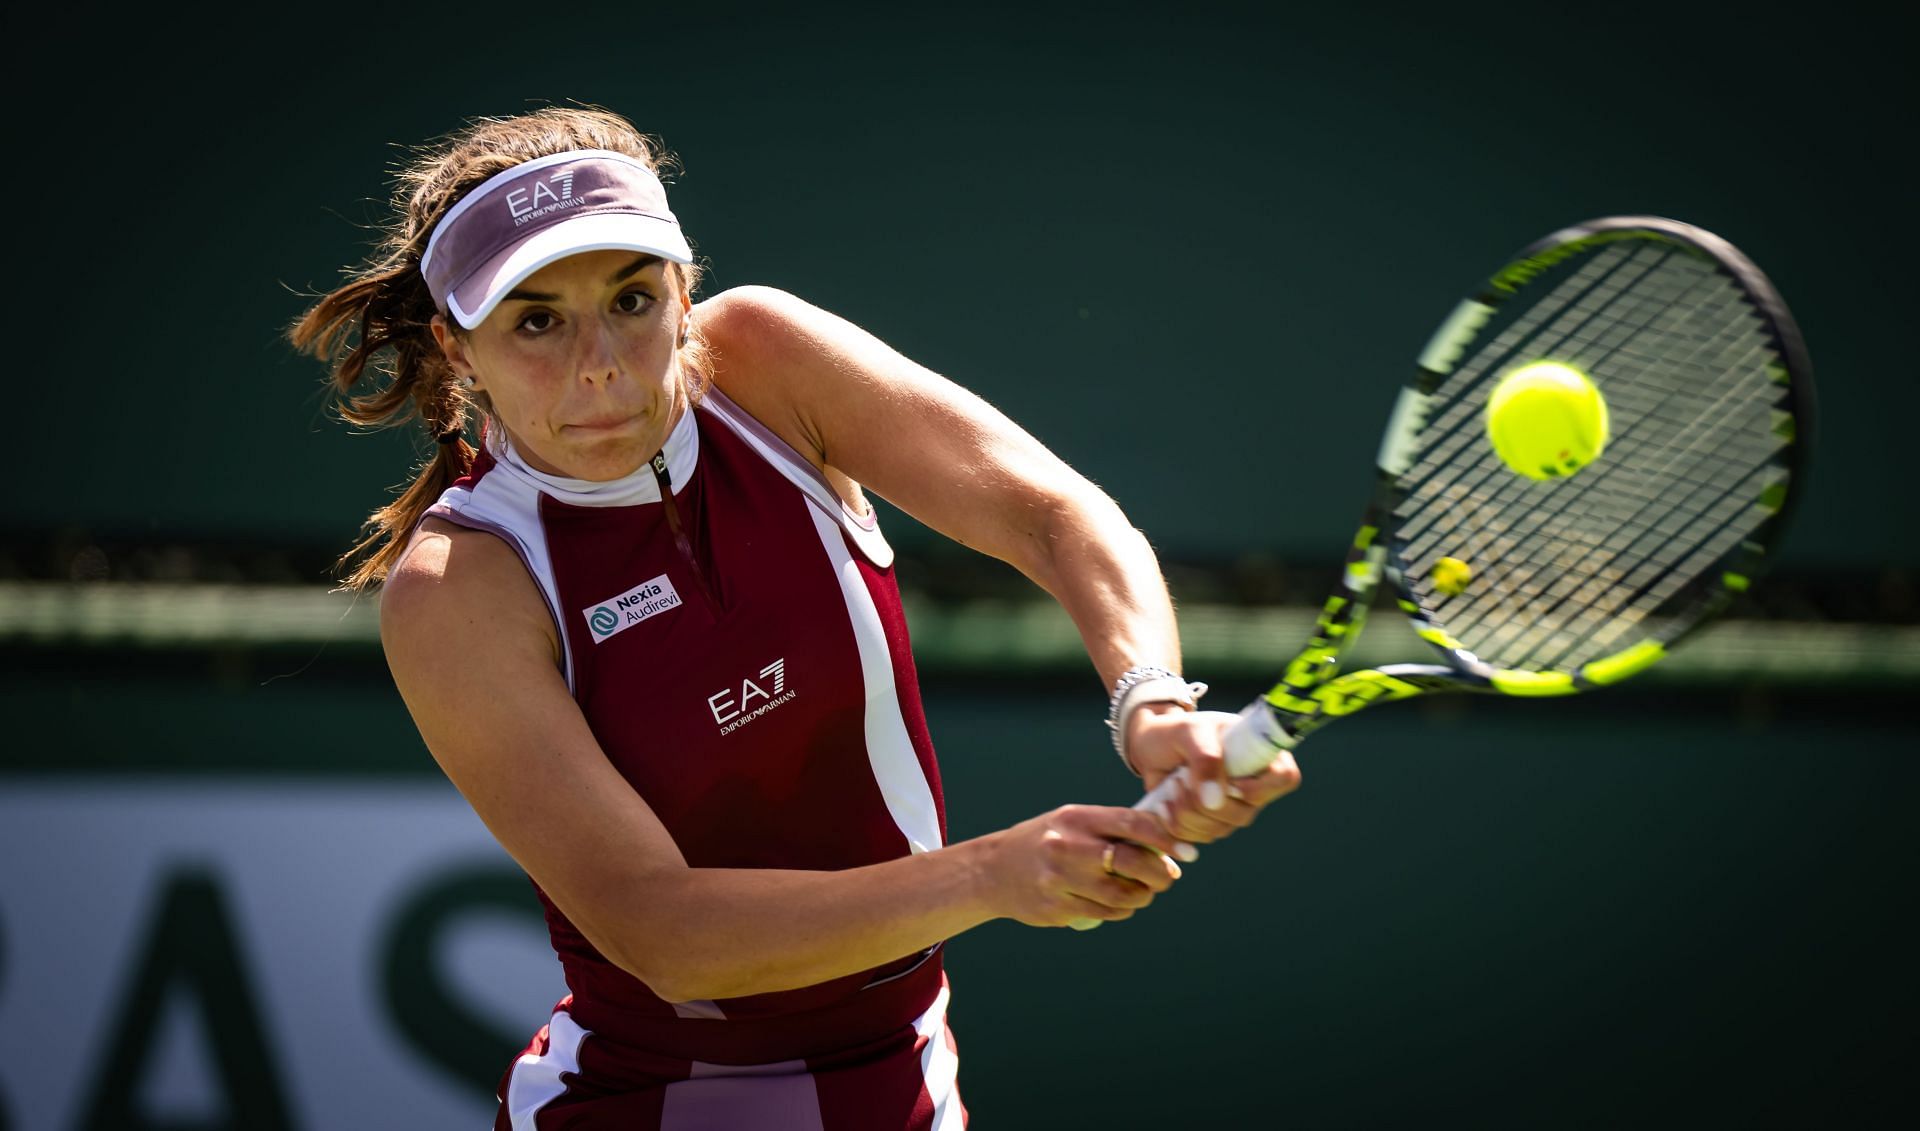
(1141, 685)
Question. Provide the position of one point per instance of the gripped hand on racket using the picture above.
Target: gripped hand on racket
(1206, 802)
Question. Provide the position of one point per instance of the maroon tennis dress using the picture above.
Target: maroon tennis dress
(738, 647)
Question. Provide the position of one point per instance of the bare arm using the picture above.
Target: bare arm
(865, 413)
(868, 415)
(472, 650)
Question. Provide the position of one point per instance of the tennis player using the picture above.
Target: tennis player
(649, 628)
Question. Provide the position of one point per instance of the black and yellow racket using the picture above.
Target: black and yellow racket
(1566, 570)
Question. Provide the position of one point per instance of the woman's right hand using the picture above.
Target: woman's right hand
(1051, 871)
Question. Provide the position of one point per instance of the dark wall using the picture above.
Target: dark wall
(1178, 245)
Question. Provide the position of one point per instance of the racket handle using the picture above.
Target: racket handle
(1253, 742)
(1249, 745)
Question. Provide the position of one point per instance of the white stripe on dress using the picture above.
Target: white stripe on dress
(700, 1010)
(896, 768)
(538, 1080)
(507, 510)
(743, 1097)
(939, 1064)
(863, 529)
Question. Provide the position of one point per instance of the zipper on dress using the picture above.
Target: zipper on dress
(664, 478)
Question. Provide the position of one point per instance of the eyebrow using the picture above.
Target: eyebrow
(638, 265)
(632, 268)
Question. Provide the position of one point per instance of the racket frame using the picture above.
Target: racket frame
(1313, 690)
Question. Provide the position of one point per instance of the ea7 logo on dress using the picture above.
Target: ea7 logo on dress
(733, 710)
(615, 615)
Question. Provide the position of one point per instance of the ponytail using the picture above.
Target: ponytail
(382, 320)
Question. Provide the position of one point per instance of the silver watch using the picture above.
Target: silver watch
(1146, 684)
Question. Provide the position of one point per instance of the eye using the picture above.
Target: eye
(633, 302)
(537, 322)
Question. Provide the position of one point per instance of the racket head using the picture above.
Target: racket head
(1585, 580)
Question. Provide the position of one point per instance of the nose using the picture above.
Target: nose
(597, 359)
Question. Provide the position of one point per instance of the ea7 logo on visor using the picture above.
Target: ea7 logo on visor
(615, 615)
(546, 195)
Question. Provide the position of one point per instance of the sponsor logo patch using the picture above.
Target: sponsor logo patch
(615, 615)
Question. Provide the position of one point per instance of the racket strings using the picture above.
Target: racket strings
(1592, 588)
(1463, 425)
(1457, 435)
(1488, 486)
(1679, 535)
(1566, 590)
(1576, 586)
(1569, 567)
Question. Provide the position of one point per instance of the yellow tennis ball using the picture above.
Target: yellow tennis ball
(1450, 576)
(1547, 420)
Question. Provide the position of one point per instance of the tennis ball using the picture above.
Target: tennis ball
(1450, 576)
(1546, 420)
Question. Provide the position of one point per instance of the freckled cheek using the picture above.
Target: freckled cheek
(530, 395)
(650, 345)
(648, 357)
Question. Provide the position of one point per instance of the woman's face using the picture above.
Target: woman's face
(578, 362)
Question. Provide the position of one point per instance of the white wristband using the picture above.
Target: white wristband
(1141, 686)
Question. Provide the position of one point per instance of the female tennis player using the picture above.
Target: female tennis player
(649, 628)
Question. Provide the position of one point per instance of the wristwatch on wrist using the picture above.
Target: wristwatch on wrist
(1141, 685)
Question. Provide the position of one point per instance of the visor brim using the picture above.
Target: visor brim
(474, 299)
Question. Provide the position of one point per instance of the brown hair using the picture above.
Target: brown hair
(382, 317)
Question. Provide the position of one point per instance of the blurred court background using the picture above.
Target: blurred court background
(1180, 246)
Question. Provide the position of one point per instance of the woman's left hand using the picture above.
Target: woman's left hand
(1162, 737)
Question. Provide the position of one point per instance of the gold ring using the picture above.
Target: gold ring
(1106, 859)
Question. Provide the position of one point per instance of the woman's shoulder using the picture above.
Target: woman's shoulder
(753, 317)
(763, 335)
(453, 584)
(761, 341)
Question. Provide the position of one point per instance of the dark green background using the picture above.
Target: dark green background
(1179, 245)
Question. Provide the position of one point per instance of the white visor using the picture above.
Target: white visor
(473, 300)
(539, 211)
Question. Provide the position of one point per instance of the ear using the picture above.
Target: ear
(453, 347)
(682, 291)
(686, 307)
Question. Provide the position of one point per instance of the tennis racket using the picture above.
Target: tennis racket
(1578, 582)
